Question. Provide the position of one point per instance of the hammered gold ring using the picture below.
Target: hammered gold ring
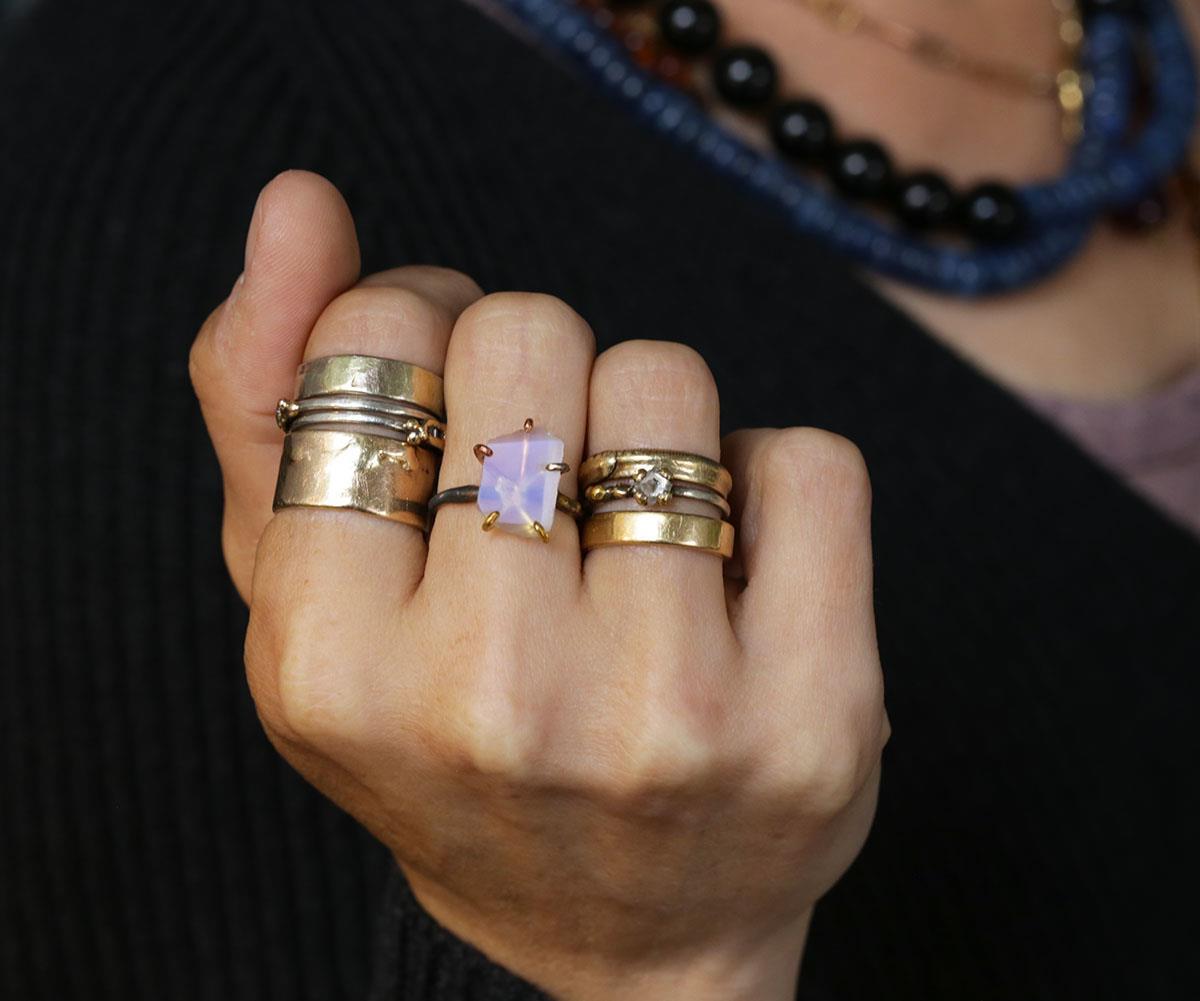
(363, 433)
(323, 467)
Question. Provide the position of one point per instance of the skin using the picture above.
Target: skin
(618, 776)
(629, 775)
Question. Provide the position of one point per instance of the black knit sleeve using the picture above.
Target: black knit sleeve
(159, 847)
(416, 959)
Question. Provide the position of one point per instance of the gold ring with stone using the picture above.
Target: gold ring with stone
(652, 488)
(685, 467)
(668, 528)
(518, 489)
(328, 468)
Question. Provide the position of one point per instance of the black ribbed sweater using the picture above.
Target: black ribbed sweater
(1038, 623)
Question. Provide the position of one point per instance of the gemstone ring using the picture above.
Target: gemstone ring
(518, 490)
(654, 486)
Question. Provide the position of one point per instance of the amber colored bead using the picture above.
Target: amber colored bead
(675, 71)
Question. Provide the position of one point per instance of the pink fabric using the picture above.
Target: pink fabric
(1152, 442)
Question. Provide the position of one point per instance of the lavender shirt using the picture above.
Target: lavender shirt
(1151, 442)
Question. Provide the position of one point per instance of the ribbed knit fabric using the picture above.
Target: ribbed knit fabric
(1038, 622)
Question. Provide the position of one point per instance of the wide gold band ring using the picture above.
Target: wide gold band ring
(668, 528)
(366, 375)
(328, 468)
(631, 464)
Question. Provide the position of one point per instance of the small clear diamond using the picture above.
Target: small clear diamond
(652, 486)
(516, 483)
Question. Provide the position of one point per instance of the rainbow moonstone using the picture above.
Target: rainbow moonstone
(516, 483)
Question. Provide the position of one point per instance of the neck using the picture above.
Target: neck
(1122, 318)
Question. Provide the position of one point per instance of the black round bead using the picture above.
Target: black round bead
(992, 213)
(1119, 8)
(862, 169)
(745, 76)
(690, 25)
(925, 200)
(802, 129)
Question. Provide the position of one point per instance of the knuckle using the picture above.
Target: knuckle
(831, 776)
(813, 462)
(655, 759)
(658, 370)
(453, 285)
(363, 317)
(482, 732)
(523, 325)
(490, 745)
(201, 362)
(445, 284)
(300, 685)
(655, 777)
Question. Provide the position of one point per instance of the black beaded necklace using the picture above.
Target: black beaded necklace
(802, 129)
(1135, 128)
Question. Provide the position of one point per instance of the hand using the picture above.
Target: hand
(621, 776)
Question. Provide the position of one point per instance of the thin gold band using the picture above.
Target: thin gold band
(322, 467)
(669, 528)
(627, 463)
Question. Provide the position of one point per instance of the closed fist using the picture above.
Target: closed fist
(621, 773)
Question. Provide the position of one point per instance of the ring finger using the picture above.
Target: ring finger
(650, 395)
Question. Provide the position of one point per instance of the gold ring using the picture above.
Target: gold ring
(669, 528)
(652, 489)
(366, 375)
(629, 464)
(352, 469)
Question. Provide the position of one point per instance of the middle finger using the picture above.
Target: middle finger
(512, 356)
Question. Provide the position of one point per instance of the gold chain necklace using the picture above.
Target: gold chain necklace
(1065, 86)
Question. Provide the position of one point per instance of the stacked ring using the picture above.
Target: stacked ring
(362, 433)
(654, 479)
(518, 489)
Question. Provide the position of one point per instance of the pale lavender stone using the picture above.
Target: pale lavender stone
(516, 483)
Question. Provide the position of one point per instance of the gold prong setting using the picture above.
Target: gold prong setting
(518, 489)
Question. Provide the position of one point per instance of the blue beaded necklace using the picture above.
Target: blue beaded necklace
(1105, 171)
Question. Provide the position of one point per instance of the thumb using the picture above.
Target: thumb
(301, 252)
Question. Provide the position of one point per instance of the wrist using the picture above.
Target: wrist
(766, 969)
